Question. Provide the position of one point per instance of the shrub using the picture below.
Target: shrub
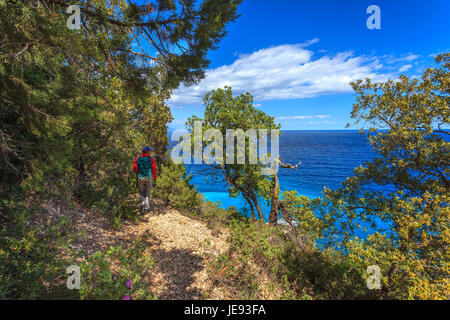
(172, 186)
(105, 275)
(29, 265)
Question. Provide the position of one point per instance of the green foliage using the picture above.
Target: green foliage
(105, 275)
(298, 206)
(76, 105)
(254, 245)
(173, 187)
(224, 112)
(293, 272)
(410, 240)
(29, 267)
(215, 216)
(256, 242)
(410, 230)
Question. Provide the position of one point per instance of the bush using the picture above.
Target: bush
(106, 275)
(172, 186)
(293, 272)
(214, 216)
(29, 265)
(253, 245)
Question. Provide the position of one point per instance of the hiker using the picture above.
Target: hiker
(145, 169)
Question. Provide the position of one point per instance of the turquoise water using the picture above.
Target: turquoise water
(328, 158)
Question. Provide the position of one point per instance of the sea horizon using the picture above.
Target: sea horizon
(327, 158)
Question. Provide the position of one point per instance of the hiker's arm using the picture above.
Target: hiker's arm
(135, 168)
(153, 168)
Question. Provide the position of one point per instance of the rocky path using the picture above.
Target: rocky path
(180, 246)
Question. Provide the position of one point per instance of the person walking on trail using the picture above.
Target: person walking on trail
(145, 169)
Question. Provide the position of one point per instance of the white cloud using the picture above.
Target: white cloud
(285, 72)
(321, 122)
(317, 116)
(310, 42)
(405, 68)
(408, 58)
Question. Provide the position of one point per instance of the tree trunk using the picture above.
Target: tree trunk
(251, 205)
(255, 202)
(275, 203)
(247, 196)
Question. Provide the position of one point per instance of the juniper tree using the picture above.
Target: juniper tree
(410, 224)
(74, 98)
(76, 105)
(224, 112)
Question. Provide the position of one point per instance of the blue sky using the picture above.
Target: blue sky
(297, 56)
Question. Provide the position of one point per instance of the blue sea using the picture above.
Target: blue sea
(327, 159)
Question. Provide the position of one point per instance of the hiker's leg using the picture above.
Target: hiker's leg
(141, 187)
(149, 189)
(142, 191)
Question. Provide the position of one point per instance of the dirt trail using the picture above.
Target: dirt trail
(180, 246)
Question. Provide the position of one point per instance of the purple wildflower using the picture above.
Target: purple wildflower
(127, 297)
(128, 284)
